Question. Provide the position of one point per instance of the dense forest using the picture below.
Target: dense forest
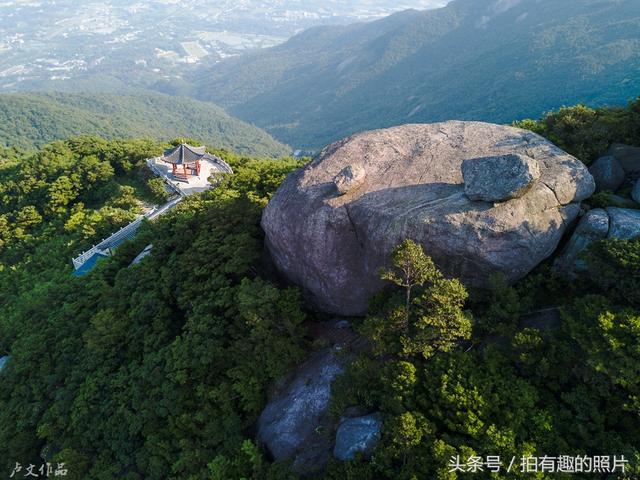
(35, 119)
(160, 370)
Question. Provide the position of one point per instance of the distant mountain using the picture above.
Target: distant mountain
(34, 119)
(494, 60)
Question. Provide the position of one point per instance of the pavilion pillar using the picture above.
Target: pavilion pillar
(173, 167)
(184, 168)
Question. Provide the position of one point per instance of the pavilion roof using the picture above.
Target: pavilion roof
(184, 154)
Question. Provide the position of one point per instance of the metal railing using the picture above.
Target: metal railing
(128, 231)
(125, 233)
(112, 241)
(151, 163)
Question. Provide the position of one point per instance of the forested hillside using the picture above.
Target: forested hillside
(204, 352)
(33, 119)
(160, 370)
(484, 60)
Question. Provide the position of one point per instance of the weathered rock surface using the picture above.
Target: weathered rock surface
(624, 223)
(598, 224)
(295, 425)
(3, 362)
(594, 226)
(628, 156)
(357, 435)
(499, 178)
(350, 178)
(635, 192)
(333, 246)
(607, 173)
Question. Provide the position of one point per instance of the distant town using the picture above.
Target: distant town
(151, 42)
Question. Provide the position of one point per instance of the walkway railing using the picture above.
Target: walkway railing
(128, 231)
(151, 163)
(112, 241)
(125, 233)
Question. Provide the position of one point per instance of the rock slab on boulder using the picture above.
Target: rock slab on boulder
(357, 435)
(499, 178)
(333, 245)
(350, 178)
(607, 173)
(295, 425)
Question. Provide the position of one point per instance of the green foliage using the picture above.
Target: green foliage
(519, 390)
(614, 267)
(35, 119)
(608, 199)
(65, 194)
(158, 189)
(586, 132)
(160, 370)
(153, 371)
(433, 321)
(412, 268)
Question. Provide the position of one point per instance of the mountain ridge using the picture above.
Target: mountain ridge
(30, 120)
(488, 60)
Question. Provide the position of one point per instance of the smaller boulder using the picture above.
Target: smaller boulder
(499, 178)
(594, 226)
(607, 173)
(628, 157)
(357, 435)
(597, 224)
(296, 425)
(624, 223)
(3, 362)
(350, 178)
(635, 193)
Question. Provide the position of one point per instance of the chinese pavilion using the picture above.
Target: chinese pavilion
(190, 159)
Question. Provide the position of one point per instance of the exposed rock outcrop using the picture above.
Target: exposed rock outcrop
(624, 223)
(597, 224)
(295, 425)
(334, 245)
(3, 362)
(357, 435)
(594, 226)
(607, 173)
(628, 157)
(635, 192)
(499, 178)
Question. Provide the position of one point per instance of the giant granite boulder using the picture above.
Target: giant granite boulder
(410, 185)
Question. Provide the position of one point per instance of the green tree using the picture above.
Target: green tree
(411, 268)
(433, 321)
